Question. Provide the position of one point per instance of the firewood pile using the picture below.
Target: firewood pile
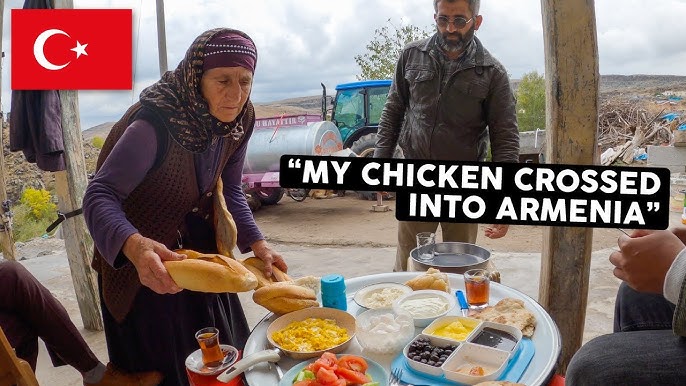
(626, 128)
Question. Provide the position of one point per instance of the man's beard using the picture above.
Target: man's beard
(456, 45)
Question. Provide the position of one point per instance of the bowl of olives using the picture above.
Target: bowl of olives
(427, 353)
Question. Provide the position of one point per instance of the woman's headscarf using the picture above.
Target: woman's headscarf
(176, 99)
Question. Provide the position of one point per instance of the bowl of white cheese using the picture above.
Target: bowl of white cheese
(425, 306)
(380, 295)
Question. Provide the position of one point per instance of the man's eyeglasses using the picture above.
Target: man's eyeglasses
(459, 22)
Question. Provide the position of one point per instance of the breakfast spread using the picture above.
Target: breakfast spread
(311, 334)
(510, 312)
(454, 330)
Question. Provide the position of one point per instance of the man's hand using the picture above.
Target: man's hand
(263, 252)
(644, 259)
(496, 231)
(147, 256)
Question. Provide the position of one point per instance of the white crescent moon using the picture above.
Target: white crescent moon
(38, 49)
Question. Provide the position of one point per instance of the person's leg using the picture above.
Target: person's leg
(459, 232)
(635, 311)
(407, 240)
(630, 358)
(22, 338)
(31, 302)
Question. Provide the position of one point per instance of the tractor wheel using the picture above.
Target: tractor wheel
(364, 147)
(269, 196)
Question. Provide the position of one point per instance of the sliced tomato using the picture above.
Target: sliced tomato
(326, 376)
(307, 382)
(352, 376)
(353, 362)
(316, 365)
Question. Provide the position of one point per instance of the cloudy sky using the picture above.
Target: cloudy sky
(303, 43)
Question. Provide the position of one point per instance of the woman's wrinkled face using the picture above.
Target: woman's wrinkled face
(226, 89)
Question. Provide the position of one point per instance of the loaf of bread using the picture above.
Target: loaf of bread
(285, 297)
(256, 266)
(433, 279)
(210, 273)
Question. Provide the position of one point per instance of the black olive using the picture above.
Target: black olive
(431, 363)
(417, 358)
(439, 363)
(423, 360)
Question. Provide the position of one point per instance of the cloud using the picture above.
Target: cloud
(303, 43)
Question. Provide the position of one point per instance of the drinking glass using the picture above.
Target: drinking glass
(477, 286)
(428, 241)
(208, 339)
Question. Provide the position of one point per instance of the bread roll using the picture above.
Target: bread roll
(256, 266)
(282, 298)
(433, 279)
(210, 273)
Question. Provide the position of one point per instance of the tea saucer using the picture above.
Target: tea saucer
(194, 361)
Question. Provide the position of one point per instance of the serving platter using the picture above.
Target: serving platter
(546, 339)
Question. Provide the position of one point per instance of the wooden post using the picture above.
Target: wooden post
(6, 240)
(71, 186)
(161, 37)
(572, 80)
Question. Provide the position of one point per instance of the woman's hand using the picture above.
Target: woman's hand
(496, 231)
(147, 256)
(270, 257)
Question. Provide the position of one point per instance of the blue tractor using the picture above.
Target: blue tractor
(356, 110)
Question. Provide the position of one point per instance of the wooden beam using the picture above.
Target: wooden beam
(7, 247)
(71, 186)
(572, 80)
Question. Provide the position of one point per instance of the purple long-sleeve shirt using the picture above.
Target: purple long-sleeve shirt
(126, 167)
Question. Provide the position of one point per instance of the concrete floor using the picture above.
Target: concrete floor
(519, 270)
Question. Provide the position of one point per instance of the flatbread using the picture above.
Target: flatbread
(511, 312)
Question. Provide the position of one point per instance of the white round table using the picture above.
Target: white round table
(546, 338)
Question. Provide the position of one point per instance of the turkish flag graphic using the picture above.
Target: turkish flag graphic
(71, 49)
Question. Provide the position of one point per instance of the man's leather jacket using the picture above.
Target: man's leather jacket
(429, 121)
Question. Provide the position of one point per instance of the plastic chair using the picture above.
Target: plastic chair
(14, 371)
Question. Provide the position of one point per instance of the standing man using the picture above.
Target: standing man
(448, 95)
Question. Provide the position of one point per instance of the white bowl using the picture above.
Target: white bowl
(422, 319)
(469, 355)
(424, 367)
(513, 331)
(470, 324)
(384, 331)
(366, 295)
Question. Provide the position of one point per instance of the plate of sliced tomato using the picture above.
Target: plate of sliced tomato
(336, 370)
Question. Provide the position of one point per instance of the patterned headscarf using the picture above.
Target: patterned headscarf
(178, 103)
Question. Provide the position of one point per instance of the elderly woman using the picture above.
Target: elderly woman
(153, 193)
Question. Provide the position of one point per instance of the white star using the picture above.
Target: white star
(80, 49)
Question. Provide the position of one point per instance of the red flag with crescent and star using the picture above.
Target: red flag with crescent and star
(71, 49)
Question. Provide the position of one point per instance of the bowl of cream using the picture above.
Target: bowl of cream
(425, 306)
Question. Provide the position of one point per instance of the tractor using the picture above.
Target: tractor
(356, 110)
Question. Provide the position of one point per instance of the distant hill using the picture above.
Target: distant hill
(610, 85)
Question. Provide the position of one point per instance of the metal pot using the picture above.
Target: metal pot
(451, 257)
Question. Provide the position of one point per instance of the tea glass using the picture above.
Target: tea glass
(208, 339)
(477, 286)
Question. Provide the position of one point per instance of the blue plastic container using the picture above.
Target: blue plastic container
(333, 292)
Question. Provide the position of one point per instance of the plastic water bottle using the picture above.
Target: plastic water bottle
(333, 292)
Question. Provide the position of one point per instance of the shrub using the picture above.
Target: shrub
(39, 203)
(25, 226)
(97, 142)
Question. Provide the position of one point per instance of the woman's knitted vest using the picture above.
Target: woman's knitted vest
(157, 207)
